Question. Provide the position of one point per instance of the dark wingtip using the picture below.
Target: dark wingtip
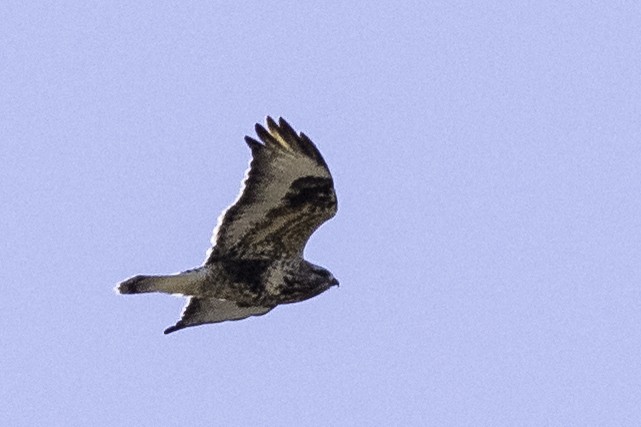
(289, 133)
(271, 124)
(283, 123)
(174, 328)
(312, 150)
(253, 144)
(273, 131)
(265, 136)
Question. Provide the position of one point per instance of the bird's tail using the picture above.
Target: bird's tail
(185, 283)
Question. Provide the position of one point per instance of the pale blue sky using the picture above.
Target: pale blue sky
(487, 159)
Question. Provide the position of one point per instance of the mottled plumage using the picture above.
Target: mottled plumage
(256, 259)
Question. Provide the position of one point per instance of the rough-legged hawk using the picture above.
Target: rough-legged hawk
(256, 261)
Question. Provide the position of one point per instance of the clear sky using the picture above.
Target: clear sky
(487, 160)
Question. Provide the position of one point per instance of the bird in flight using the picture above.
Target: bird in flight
(256, 259)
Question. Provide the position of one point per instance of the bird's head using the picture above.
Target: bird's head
(323, 276)
(307, 281)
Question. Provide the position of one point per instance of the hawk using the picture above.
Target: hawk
(256, 259)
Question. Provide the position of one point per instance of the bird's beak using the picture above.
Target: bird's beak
(335, 282)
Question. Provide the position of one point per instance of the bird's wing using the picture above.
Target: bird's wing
(288, 193)
(199, 311)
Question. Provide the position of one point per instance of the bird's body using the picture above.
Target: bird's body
(256, 261)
